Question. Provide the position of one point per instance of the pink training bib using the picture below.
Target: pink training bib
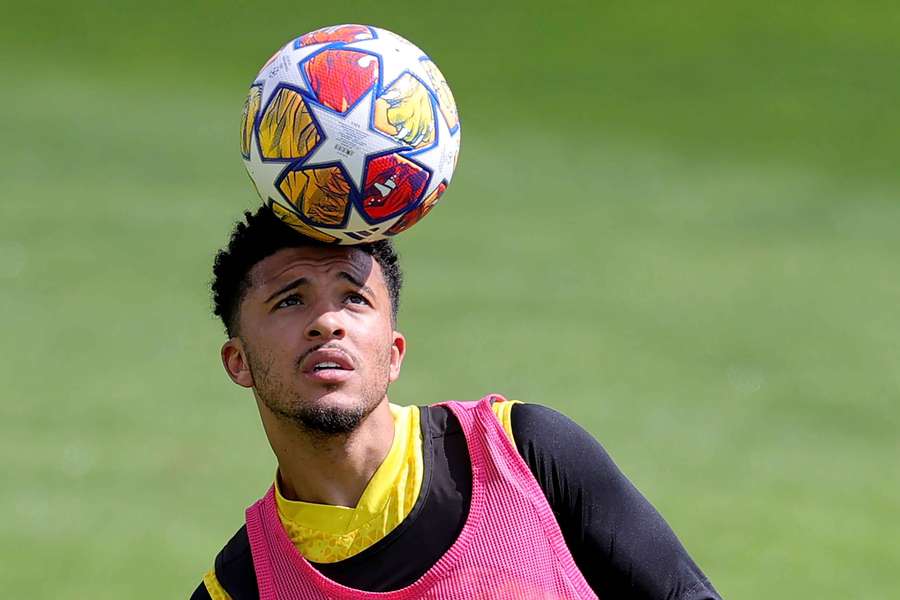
(509, 547)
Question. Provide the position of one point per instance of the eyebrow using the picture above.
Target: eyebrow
(356, 282)
(295, 283)
(303, 281)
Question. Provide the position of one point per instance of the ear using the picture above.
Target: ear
(235, 362)
(398, 351)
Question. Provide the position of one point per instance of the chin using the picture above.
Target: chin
(333, 418)
(332, 411)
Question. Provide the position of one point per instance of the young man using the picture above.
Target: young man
(493, 499)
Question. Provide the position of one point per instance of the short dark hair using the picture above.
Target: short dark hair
(262, 234)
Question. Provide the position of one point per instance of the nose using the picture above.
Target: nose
(327, 325)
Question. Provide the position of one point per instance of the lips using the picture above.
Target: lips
(324, 360)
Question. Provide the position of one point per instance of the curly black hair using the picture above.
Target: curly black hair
(262, 234)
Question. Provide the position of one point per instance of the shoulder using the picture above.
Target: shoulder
(527, 416)
(550, 443)
(538, 427)
(234, 567)
(202, 592)
(233, 576)
(560, 453)
(527, 425)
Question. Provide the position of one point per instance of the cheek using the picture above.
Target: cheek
(269, 353)
(379, 344)
(281, 336)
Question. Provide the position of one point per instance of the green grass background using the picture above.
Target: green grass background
(676, 222)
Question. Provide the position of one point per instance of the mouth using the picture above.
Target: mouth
(327, 365)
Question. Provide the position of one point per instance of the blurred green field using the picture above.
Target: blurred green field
(677, 223)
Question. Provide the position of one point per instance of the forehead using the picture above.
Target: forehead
(315, 263)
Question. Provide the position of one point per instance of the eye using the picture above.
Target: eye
(355, 298)
(292, 300)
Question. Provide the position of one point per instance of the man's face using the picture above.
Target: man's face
(316, 339)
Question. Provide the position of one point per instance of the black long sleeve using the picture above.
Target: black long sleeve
(621, 544)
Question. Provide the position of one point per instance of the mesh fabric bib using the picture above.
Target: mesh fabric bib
(509, 547)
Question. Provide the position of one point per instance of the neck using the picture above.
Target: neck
(328, 469)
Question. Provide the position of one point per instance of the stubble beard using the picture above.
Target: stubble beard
(317, 418)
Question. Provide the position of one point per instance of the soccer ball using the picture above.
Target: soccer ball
(350, 134)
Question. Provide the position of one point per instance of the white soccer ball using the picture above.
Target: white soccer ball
(350, 134)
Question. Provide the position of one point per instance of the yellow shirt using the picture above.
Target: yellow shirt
(324, 533)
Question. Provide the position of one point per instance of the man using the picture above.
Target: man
(493, 499)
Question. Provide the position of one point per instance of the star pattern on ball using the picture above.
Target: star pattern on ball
(397, 57)
(348, 139)
(440, 157)
(286, 68)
